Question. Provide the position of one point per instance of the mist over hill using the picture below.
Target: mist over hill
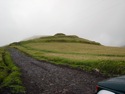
(34, 37)
(59, 37)
(123, 46)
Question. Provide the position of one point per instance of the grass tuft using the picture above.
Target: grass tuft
(10, 76)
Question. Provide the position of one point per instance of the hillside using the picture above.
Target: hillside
(72, 51)
(59, 37)
(60, 44)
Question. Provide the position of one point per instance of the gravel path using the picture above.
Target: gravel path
(45, 78)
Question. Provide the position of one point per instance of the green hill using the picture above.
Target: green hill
(61, 49)
(59, 37)
(72, 51)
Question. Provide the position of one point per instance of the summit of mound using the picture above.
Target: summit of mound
(60, 37)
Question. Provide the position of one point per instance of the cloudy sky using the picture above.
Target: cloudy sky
(98, 20)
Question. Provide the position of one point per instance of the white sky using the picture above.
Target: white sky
(98, 20)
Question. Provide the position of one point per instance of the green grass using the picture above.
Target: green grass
(61, 38)
(3, 69)
(10, 75)
(74, 53)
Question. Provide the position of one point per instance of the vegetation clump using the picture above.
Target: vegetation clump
(59, 34)
(10, 76)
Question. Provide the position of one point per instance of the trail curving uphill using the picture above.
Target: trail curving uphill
(45, 78)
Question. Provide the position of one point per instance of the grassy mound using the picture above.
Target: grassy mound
(59, 37)
(76, 52)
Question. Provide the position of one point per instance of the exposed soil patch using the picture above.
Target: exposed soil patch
(45, 78)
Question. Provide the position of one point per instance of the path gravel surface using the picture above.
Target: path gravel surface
(40, 77)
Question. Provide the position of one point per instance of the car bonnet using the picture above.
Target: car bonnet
(117, 84)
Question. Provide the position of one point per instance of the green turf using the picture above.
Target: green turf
(10, 75)
(76, 52)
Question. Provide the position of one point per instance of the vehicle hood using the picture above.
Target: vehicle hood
(117, 83)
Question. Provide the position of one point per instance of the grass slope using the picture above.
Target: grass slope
(76, 52)
(10, 81)
(61, 38)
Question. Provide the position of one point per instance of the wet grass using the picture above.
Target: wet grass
(10, 75)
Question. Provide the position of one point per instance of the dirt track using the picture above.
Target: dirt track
(45, 78)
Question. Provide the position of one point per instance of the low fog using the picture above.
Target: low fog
(98, 20)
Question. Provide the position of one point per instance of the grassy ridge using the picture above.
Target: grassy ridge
(107, 60)
(10, 81)
(61, 38)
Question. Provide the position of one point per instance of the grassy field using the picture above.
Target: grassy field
(83, 54)
(10, 81)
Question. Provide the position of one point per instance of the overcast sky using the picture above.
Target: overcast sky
(98, 20)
